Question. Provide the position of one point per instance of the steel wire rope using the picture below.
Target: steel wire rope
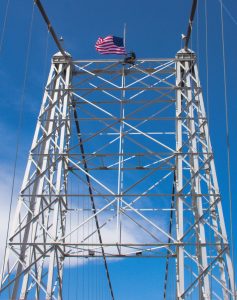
(207, 66)
(50, 27)
(19, 128)
(207, 78)
(94, 265)
(187, 39)
(44, 72)
(191, 39)
(45, 60)
(169, 239)
(92, 262)
(91, 197)
(83, 233)
(207, 70)
(88, 259)
(190, 23)
(208, 105)
(227, 138)
(4, 25)
(233, 19)
(197, 60)
(78, 220)
(97, 277)
(70, 240)
(197, 32)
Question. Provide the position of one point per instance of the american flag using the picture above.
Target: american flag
(110, 45)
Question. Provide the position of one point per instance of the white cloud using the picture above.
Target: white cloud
(5, 198)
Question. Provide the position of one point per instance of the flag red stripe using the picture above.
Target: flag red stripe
(106, 46)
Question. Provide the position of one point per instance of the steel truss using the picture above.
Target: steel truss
(117, 135)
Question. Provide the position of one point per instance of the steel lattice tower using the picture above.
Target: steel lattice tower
(131, 144)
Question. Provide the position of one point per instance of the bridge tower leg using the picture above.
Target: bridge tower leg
(199, 214)
(41, 209)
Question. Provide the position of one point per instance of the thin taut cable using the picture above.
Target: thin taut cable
(227, 137)
(169, 239)
(190, 24)
(92, 200)
(4, 25)
(22, 100)
(50, 27)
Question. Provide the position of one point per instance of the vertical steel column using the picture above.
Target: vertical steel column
(214, 194)
(121, 157)
(204, 292)
(63, 107)
(179, 180)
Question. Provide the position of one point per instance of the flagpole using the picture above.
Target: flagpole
(124, 34)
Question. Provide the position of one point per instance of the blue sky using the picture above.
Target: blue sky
(154, 29)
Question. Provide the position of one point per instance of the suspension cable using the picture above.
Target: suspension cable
(92, 199)
(233, 19)
(207, 63)
(22, 100)
(190, 24)
(50, 27)
(227, 137)
(169, 239)
(4, 25)
(208, 107)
